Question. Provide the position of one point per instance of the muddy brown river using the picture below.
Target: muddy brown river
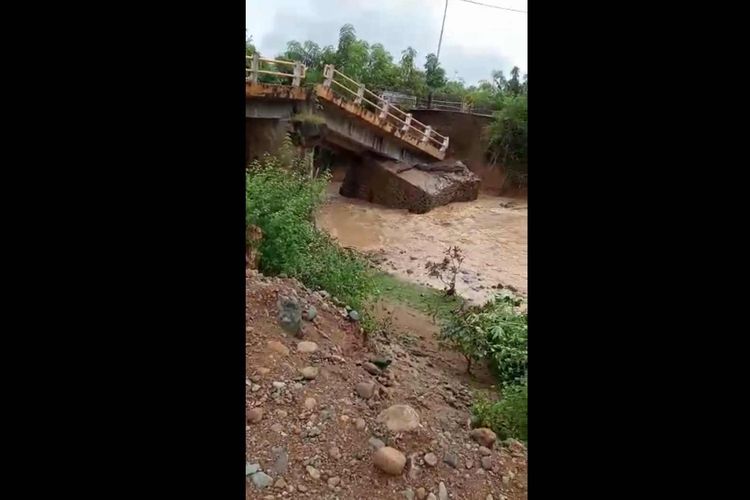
(491, 231)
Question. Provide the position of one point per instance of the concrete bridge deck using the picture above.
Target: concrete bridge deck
(356, 119)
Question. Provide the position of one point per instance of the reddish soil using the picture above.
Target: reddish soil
(422, 375)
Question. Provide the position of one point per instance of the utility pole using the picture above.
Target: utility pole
(440, 42)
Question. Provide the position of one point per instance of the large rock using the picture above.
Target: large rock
(399, 418)
(307, 347)
(389, 460)
(418, 188)
(365, 390)
(261, 480)
(484, 436)
(290, 314)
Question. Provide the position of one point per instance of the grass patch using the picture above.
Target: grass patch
(428, 300)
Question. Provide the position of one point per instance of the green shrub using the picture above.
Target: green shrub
(508, 416)
(281, 199)
(493, 332)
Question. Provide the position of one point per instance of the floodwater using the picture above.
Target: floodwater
(491, 231)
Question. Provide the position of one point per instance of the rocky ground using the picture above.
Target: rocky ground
(334, 415)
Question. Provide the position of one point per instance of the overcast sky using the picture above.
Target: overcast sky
(476, 39)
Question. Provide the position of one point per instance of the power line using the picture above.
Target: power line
(495, 6)
(441, 30)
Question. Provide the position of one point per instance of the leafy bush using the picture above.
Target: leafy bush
(508, 137)
(508, 416)
(447, 269)
(495, 333)
(281, 199)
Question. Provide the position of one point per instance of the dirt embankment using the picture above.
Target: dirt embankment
(315, 409)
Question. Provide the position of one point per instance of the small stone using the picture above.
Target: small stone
(399, 418)
(442, 491)
(281, 463)
(309, 372)
(469, 464)
(280, 483)
(314, 473)
(277, 427)
(334, 481)
(451, 459)
(483, 436)
(371, 368)
(365, 390)
(297, 386)
(313, 432)
(278, 347)
(263, 370)
(334, 453)
(310, 403)
(302, 488)
(376, 443)
(310, 313)
(344, 418)
(409, 494)
(489, 497)
(506, 480)
(255, 415)
(430, 459)
(278, 385)
(255, 387)
(281, 413)
(389, 460)
(431, 496)
(421, 493)
(353, 315)
(360, 423)
(251, 468)
(261, 480)
(484, 451)
(487, 463)
(307, 346)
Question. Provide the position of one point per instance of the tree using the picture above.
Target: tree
(347, 35)
(508, 136)
(410, 78)
(434, 74)
(381, 72)
(498, 78)
(513, 86)
(249, 47)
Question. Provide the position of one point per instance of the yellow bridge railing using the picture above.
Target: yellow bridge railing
(387, 111)
(256, 65)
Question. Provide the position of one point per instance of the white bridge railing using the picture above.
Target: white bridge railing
(386, 110)
(256, 65)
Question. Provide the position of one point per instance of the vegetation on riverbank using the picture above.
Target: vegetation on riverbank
(281, 199)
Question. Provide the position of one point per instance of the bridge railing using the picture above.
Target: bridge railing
(387, 111)
(256, 65)
(444, 105)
